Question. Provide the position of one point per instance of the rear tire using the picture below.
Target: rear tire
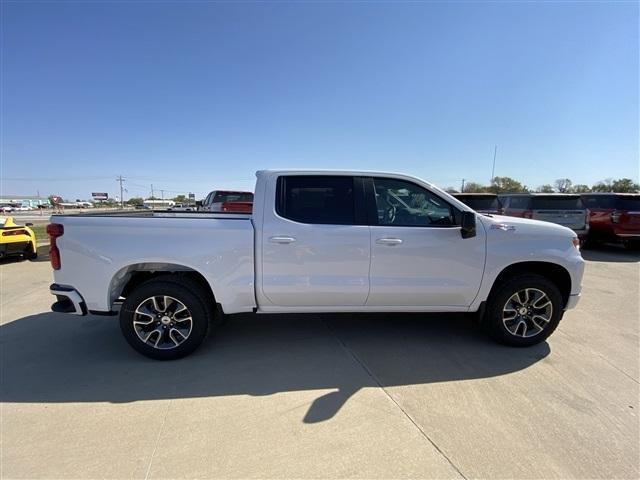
(523, 310)
(165, 320)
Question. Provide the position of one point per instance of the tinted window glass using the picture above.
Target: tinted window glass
(480, 202)
(403, 203)
(316, 199)
(520, 203)
(556, 203)
(599, 201)
(628, 203)
(233, 197)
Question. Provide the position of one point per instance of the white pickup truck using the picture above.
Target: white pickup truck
(317, 241)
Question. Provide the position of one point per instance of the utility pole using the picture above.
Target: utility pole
(152, 190)
(493, 169)
(162, 191)
(462, 188)
(120, 179)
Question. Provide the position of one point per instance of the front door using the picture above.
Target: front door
(418, 257)
(315, 245)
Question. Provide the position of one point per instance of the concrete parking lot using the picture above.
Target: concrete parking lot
(342, 396)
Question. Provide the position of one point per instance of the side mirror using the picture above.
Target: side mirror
(28, 224)
(468, 224)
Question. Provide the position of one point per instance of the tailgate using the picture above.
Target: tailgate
(574, 219)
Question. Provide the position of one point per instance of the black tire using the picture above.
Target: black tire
(632, 245)
(496, 325)
(183, 290)
(32, 255)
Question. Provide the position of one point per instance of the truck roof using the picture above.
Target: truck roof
(361, 173)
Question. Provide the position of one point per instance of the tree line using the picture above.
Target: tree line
(562, 185)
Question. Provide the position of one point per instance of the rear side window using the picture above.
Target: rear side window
(316, 199)
(556, 203)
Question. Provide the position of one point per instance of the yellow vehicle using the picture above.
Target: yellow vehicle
(17, 239)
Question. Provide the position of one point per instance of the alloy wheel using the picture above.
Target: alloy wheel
(162, 322)
(527, 312)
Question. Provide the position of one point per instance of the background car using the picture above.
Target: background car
(6, 209)
(564, 209)
(213, 202)
(613, 217)
(16, 240)
(481, 202)
(179, 207)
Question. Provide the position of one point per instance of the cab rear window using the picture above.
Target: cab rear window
(556, 203)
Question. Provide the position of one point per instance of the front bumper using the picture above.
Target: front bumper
(572, 301)
(68, 300)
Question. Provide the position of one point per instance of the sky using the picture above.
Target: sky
(194, 96)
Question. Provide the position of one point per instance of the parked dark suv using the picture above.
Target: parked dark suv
(614, 217)
(564, 209)
(481, 202)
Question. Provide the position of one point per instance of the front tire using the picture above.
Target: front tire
(165, 320)
(523, 310)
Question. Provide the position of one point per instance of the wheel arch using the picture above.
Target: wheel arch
(552, 271)
(128, 278)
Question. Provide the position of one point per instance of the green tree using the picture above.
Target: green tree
(180, 199)
(563, 185)
(625, 185)
(603, 186)
(450, 190)
(473, 187)
(545, 189)
(506, 185)
(580, 188)
(135, 201)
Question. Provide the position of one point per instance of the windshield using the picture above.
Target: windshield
(556, 203)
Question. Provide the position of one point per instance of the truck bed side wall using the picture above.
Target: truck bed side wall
(95, 251)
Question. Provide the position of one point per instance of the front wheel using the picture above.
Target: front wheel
(524, 310)
(164, 320)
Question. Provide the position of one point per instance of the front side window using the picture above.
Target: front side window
(402, 203)
(316, 199)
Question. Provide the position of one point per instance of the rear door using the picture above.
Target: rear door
(628, 207)
(565, 210)
(315, 243)
(418, 256)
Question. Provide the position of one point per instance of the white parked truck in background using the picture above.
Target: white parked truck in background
(316, 241)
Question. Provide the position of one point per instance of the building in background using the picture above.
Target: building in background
(24, 200)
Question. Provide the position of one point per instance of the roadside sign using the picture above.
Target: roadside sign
(100, 196)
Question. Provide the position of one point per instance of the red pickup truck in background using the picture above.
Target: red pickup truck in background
(614, 217)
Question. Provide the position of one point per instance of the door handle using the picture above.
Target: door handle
(282, 240)
(389, 241)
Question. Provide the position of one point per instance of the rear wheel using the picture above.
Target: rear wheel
(631, 244)
(524, 310)
(165, 320)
